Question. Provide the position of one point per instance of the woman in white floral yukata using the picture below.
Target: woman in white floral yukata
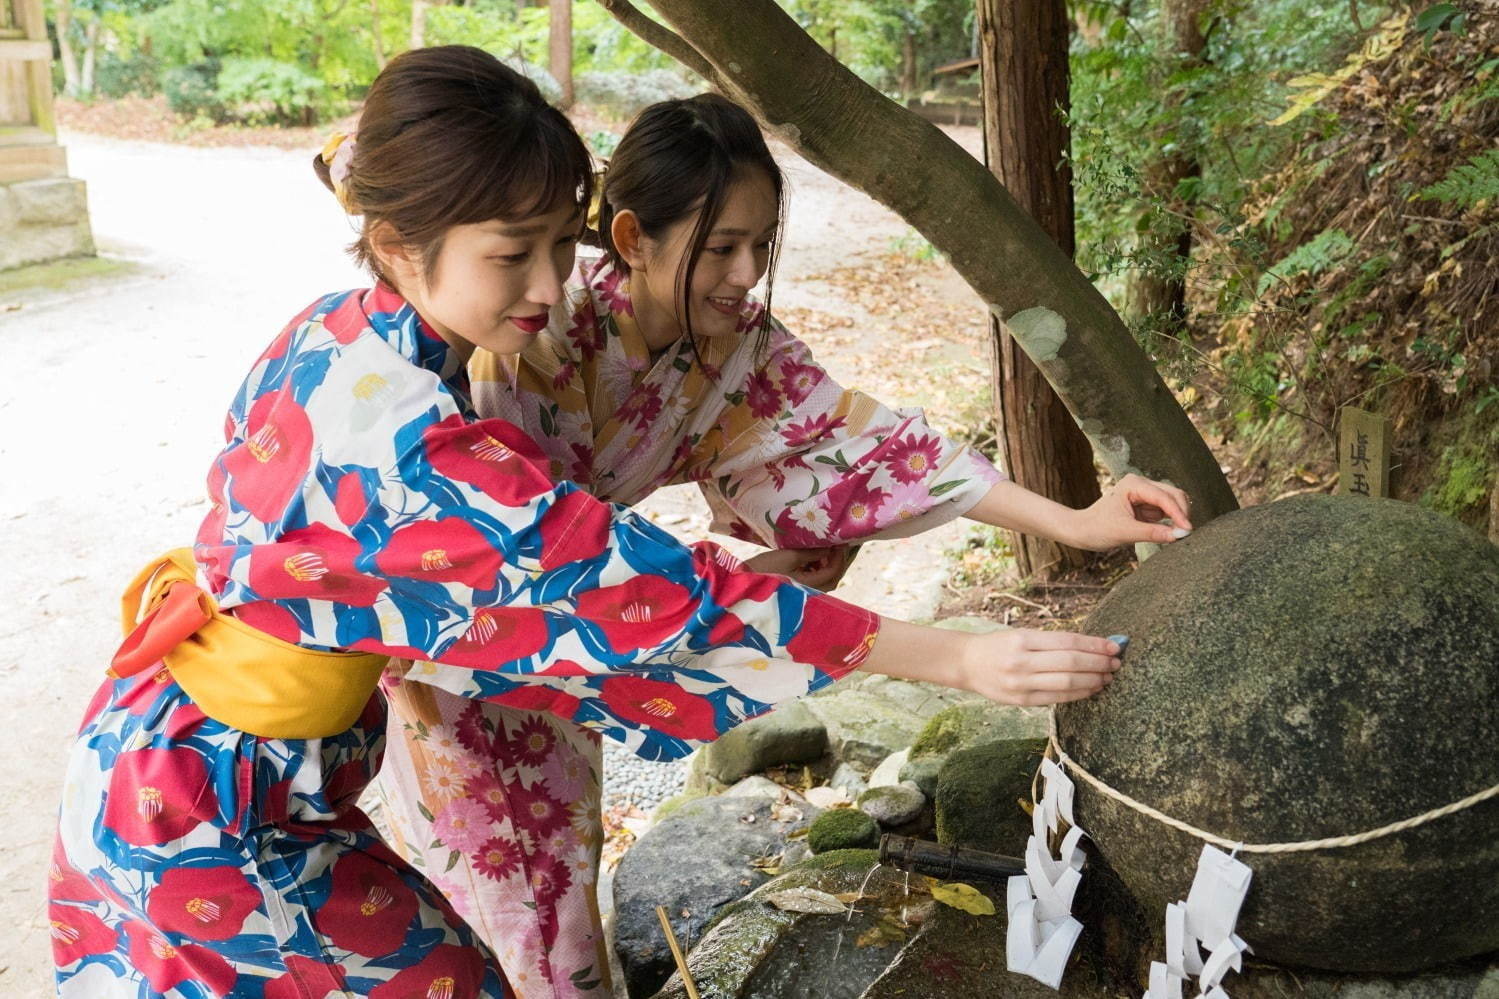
(658, 369)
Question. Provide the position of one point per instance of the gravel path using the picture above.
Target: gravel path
(111, 400)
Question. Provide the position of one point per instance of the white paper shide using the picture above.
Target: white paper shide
(1042, 931)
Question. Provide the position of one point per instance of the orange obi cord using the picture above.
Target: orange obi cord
(237, 674)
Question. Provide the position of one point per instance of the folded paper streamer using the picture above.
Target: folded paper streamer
(1041, 931)
(1204, 922)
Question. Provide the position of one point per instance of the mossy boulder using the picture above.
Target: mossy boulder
(979, 791)
(789, 734)
(843, 829)
(1311, 668)
(755, 950)
(962, 726)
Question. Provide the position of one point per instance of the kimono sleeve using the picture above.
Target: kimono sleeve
(808, 463)
(529, 592)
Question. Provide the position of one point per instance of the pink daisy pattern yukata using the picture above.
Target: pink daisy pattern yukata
(360, 505)
(785, 456)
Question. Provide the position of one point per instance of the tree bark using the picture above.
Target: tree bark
(847, 128)
(1157, 294)
(1023, 67)
(560, 47)
(90, 57)
(418, 23)
(64, 22)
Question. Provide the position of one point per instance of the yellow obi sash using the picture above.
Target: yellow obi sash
(237, 674)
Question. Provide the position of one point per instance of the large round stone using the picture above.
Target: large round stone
(1306, 669)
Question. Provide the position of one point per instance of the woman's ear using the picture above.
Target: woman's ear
(398, 262)
(624, 231)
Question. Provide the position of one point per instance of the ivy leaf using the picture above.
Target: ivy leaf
(963, 896)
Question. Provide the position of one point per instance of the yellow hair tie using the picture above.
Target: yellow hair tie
(338, 154)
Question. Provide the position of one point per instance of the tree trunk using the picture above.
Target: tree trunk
(1157, 294)
(853, 132)
(560, 47)
(1023, 66)
(90, 57)
(418, 23)
(64, 22)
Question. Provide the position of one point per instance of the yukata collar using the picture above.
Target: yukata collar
(395, 321)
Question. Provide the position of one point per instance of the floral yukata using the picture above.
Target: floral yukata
(785, 456)
(359, 505)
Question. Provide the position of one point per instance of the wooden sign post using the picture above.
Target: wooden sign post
(1363, 453)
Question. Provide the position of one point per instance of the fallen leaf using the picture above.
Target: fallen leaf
(963, 896)
(807, 900)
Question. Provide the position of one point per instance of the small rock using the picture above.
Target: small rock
(887, 774)
(843, 829)
(962, 726)
(789, 734)
(828, 797)
(979, 792)
(755, 787)
(848, 778)
(893, 805)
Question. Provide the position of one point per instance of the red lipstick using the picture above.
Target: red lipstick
(530, 324)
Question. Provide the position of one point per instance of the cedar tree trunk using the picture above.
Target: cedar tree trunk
(1023, 65)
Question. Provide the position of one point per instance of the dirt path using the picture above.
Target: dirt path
(112, 396)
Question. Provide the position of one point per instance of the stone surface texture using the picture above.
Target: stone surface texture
(1311, 668)
(789, 734)
(978, 797)
(962, 726)
(43, 220)
(694, 862)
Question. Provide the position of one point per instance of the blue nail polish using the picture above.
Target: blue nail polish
(1120, 640)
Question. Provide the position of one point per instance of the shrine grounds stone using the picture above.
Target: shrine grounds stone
(893, 805)
(693, 862)
(978, 797)
(843, 829)
(1310, 668)
(868, 717)
(789, 734)
(962, 726)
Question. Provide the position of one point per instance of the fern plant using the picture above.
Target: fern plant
(1468, 183)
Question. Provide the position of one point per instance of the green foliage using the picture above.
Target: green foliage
(870, 36)
(267, 92)
(193, 90)
(1468, 183)
(1464, 477)
(121, 76)
(914, 246)
(1441, 17)
(1327, 248)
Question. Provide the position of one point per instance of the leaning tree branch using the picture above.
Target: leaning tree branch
(763, 59)
(661, 37)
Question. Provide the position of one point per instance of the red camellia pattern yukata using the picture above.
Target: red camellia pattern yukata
(492, 801)
(359, 505)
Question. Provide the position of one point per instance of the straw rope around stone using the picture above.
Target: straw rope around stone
(1301, 846)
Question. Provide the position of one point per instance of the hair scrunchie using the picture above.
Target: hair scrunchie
(338, 154)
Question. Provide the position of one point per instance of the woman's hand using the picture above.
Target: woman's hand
(1038, 667)
(1131, 512)
(819, 568)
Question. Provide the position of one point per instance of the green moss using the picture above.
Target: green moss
(60, 275)
(842, 829)
(978, 794)
(1464, 476)
(941, 734)
(670, 806)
